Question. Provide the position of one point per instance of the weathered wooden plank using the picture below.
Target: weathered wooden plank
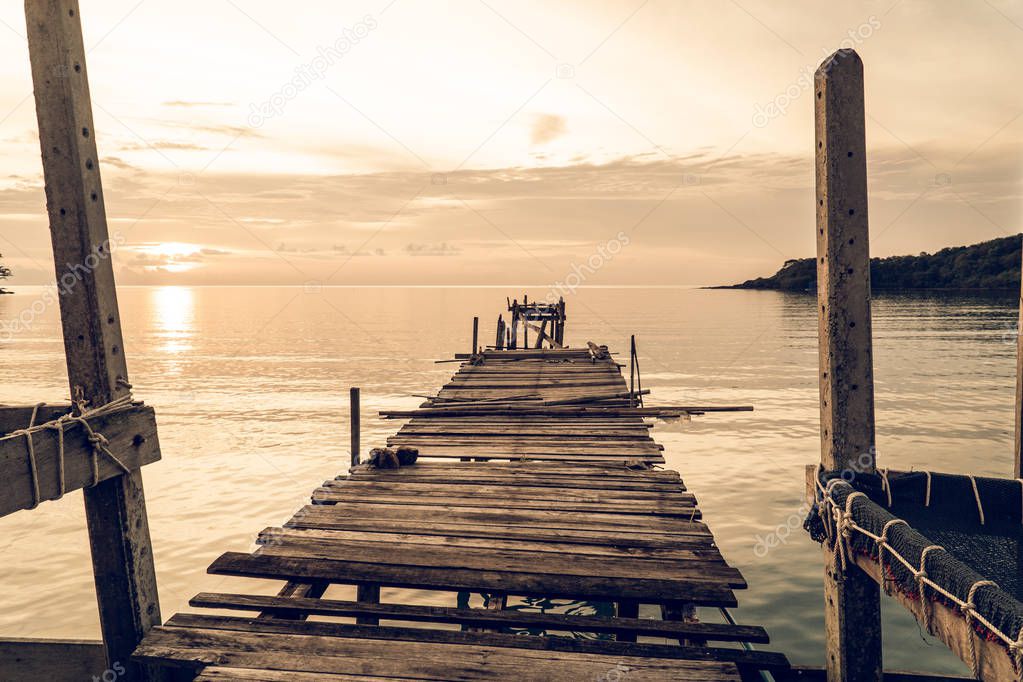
(31, 660)
(537, 517)
(422, 660)
(479, 617)
(688, 551)
(524, 648)
(365, 486)
(682, 509)
(714, 571)
(122, 553)
(318, 517)
(133, 440)
(455, 579)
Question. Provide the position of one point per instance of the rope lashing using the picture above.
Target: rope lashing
(976, 496)
(1016, 651)
(33, 468)
(97, 440)
(969, 610)
(921, 581)
(882, 544)
(886, 485)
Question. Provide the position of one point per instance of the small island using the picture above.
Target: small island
(5, 272)
(993, 264)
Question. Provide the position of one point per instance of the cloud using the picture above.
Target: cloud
(187, 104)
(547, 128)
(428, 249)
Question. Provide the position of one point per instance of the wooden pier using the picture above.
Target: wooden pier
(526, 502)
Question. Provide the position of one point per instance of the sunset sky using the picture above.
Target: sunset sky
(498, 142)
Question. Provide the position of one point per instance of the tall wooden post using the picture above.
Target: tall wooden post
(852, 601)
(475, 335)
(1018, 469)
(356, 424)
(499, 344)
(122, 555)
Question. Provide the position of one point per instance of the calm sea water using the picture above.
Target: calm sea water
(250, 387)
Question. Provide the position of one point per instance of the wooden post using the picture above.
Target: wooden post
(356, 424)
(852, 600)
(562, 317)
(1018, 469)
(475, 335)
(499, 344)
(513, 342)
(122, 554)
(632, 370)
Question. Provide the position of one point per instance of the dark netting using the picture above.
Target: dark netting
(952, 519)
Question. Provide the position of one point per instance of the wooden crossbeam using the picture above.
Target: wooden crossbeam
(132, 439)
(483, 617)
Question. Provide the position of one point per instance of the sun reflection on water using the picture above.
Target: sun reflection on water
(174, 316)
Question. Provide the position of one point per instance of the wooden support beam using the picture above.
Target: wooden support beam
(132, 438)
(122, 554)
(495, 619)
(475, 335)
(852, 599)
(627, 609)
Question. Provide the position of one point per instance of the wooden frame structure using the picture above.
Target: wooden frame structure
(528, 315)
(99, 443)
(852, 596)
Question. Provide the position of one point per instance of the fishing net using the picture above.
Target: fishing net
(938, 537)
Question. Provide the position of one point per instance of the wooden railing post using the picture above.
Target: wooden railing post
(122, 554)
(852, 600)
(356, 425)
(475, 335)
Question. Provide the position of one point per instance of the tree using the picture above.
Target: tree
(5, 272)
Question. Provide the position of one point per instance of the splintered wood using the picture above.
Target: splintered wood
(510, 504)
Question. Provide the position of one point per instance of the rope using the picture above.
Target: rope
(1016, 651)
(886, 485)
(32, 466)
(976, 495)
(969, 609)
(921, 577)
(97, 440)
(882, 543)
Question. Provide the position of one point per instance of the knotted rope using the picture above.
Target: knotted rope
(81, 416)
(882, 544)
(969, 610)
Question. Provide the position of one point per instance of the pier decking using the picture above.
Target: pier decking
(549, 497)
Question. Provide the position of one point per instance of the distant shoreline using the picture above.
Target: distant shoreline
(988, 266)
